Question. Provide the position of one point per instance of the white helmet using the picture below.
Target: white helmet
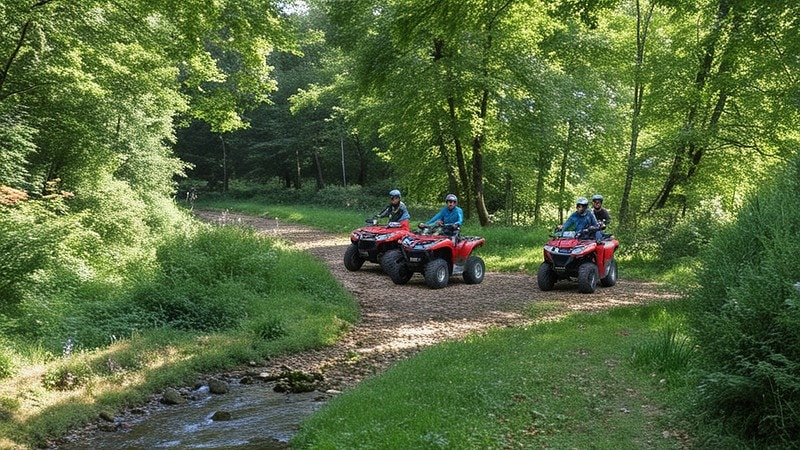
(451, 197)
(582, 201)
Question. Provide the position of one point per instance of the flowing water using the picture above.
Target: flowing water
(259, 419)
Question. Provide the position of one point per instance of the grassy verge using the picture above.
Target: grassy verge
(211, 300)
(589, 381)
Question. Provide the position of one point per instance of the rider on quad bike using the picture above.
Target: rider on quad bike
(371, 242)
(586, 254)
(437, 251)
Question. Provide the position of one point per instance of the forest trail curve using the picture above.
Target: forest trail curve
(397, 321)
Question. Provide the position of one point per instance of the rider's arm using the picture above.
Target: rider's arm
(384, 212)
(570, 222)
(436, 217)
(459, 216)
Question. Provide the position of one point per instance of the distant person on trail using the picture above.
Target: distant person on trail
(582, 219)
(600, 213)
(451, 214)
(396, 210)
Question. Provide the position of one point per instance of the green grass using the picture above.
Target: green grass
(565, 384)
(213, 300)
(572, 383)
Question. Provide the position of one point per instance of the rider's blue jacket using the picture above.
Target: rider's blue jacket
(580, 222)
(448, 217)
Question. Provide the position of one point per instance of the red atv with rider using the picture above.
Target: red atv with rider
(579, 255)
(371, 242)
(437, 252)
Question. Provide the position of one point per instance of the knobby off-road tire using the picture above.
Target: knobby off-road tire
(474, 270)
(587, 278)
(610, 279)
(352, 260)
(545, 277)
(395, 266)
(437, 274)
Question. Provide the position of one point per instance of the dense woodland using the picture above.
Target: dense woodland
(676, 111)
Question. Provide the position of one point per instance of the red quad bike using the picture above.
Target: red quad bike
(571, 255)
(436, 256)
(371, 242)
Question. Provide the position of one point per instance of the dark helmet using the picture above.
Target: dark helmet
(394, 193)
(451, 197)
(597, 197)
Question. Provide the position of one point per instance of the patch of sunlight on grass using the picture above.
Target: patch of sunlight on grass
(540, 309)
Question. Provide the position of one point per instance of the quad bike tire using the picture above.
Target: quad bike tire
(545, 277)
(352, 260)
(611, 277)
(394, 265)
(587, 278)
(437, 273)
(474, 270)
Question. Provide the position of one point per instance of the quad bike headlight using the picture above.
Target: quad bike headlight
(577, 250)
(551, 248)
(407, 241)
(383, 237)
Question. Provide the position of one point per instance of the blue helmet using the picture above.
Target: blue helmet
(394, 193)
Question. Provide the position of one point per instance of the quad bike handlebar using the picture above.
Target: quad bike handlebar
(429, 230)
(583, 234)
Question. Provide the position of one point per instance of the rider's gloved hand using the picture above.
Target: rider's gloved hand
(440, 222)
(421, 225)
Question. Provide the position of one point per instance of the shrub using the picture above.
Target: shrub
(209, 280)
(668, 352)
(71, 374)
(748, 317)
(7, 365)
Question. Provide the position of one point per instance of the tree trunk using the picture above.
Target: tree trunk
(689, 153)
(509, 203)
(463, 174)
(562, 173)
(224, 165)
(362, 161)
(298, 174)
(638, 100)
(452, 182)
(318, 170)
(477, 163)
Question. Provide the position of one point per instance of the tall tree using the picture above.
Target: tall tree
(735, 96)
(102, 82)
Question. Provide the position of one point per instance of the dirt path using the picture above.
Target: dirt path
(398, 321)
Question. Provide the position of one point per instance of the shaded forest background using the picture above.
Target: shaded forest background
(683, 114)
(518, 107)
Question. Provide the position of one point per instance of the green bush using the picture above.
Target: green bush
(69, 375)
(669, 351)
(7, 365)
(747, 318)
(210, 280)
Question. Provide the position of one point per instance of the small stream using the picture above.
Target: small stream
(259, 419)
